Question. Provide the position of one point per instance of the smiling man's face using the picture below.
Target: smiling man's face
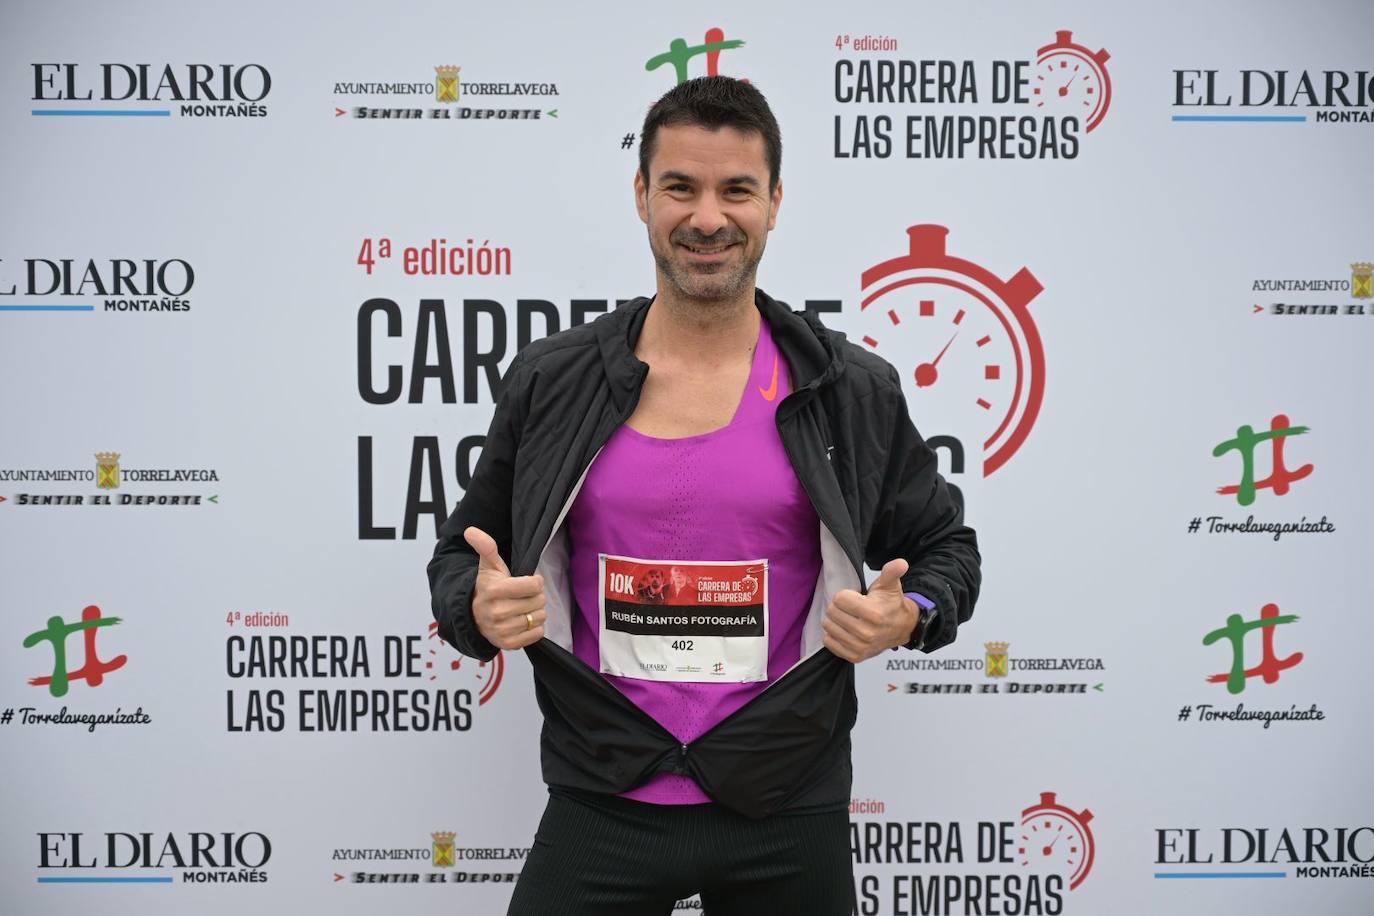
(707, 209)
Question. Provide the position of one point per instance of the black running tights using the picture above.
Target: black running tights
(602, 855)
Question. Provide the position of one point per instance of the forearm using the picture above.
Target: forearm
(948, 574)
(921, 519)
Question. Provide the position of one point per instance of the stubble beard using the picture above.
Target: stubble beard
(706, 284)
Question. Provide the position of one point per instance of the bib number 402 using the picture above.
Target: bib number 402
(682, 645)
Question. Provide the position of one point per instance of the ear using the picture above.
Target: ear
(641, 197)
(773, 205)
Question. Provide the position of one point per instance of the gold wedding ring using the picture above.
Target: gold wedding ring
(529, 621)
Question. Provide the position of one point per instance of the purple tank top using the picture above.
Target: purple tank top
(725, 495)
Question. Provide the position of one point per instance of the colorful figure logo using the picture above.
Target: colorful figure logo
(678, 54)
(92, 670)
(1245, 442)
(1269, 666)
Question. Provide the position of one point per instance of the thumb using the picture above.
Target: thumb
(485, 545)
(890, 579)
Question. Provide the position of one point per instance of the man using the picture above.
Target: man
(681, 588)
(652, 588)
(701, 748)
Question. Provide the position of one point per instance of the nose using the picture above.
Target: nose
(707, 217)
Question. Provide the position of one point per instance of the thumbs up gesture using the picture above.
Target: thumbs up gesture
(860, 626)
(509, 610)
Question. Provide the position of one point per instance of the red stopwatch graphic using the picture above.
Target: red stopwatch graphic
(487, 675)
(1057, 838)
(979, 366)
(1071, 80)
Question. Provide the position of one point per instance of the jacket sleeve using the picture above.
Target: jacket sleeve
(486, 504)
(920, 517)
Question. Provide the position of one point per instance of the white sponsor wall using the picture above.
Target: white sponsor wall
(1131, 310)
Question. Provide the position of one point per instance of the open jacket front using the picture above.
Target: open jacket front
(871, 478)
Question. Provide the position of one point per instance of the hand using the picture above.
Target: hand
(509, 610)
(860, 626)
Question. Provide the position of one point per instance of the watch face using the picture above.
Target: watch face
(964, 343)
(1057, 839)
(961, 362)
(1067, 84)
(1052, 841)
(1071, 80)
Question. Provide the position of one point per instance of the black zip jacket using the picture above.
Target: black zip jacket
(871, 478)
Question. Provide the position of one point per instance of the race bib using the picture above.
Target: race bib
(684, 621)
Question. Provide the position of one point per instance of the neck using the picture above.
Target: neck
(693, 330)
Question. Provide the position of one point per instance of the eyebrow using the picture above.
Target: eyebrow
(672, 177)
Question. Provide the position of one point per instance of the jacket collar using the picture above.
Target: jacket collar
(806, 344)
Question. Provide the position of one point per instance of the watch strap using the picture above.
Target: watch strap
(927, 614)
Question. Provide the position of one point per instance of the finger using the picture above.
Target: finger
(485, 545)
(840, 650)
(842, 622)
(516, 587)
(513, 626)
(520, 618)
(499, 617)
(524, 638)
(509, 609)
(890, 578)
(854, 604)
(838, 633)
(861, 621)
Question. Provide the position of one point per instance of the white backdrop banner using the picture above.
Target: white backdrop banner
(262, 269)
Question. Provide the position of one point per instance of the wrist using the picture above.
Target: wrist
(925, 612)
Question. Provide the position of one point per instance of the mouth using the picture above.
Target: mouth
(707, 251)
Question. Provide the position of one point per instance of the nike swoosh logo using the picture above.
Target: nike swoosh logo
(771, 391)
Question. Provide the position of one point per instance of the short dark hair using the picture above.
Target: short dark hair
(714, 102)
